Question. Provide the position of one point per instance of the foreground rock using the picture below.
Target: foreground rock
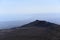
(24, 34)
(37, 30)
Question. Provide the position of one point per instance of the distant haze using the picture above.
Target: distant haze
(14, 20)
(25, 11)
(52, 17)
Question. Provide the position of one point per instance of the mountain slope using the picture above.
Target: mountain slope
(39, 23)
(37, 30)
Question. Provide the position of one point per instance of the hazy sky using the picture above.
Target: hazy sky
(25, 9)
(29, 6)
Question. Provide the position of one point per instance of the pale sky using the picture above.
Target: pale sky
(29, 6)
(27, 9)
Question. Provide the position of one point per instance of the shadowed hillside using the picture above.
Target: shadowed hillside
(37, 30)
(39, 24)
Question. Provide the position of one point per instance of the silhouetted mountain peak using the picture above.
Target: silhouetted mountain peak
(40, 23)
(37, 21)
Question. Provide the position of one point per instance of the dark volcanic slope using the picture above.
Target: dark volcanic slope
(38, 23)
(37, 30)
(24, 34)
